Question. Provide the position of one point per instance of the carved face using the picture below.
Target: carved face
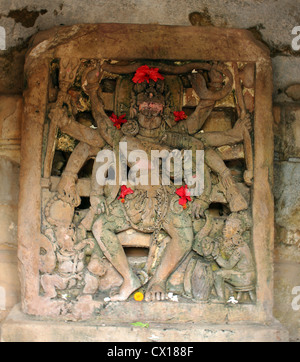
(150, 109)
(231, 228)
(150, 115)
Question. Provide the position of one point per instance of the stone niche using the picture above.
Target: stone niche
(107, 255)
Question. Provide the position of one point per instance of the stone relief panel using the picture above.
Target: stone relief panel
(118, 242)
(151, 178)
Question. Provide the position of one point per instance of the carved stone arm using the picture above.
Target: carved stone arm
(91, 85)
(104, 124)
(67, 183)
(231, 262)
(230, 137)
(197, 119)
(202, 202)
(66, 123)
(208, 95)
(83, 133)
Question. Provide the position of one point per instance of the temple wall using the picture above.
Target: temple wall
(270, 22)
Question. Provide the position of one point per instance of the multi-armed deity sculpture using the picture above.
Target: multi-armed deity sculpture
(150, 180)
(196, 249)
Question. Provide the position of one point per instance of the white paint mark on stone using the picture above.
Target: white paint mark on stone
(2, 299)
(2, 38)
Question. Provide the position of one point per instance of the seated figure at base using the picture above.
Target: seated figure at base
(237, 268)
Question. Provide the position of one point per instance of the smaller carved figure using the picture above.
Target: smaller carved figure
(236, 264)
(199, 279)
(71, 248)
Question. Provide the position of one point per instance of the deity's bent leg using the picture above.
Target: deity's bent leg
(175, 252)
(104, 231)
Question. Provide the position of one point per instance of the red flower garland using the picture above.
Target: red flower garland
(144, 73)
(179, 116)
(118, 121)
(124, 191)
(184, 195)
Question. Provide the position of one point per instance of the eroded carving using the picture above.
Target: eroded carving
(195, 245)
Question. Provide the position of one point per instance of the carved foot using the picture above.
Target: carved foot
(156, 292)
(127, 288)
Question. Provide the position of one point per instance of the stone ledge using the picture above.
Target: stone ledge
(19, 327)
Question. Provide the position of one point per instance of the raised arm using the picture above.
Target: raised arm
(90, 84)
(208, 95)
(66, 123)
(67, 183)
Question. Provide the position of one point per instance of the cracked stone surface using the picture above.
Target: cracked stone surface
(270, 21)
(273, 19)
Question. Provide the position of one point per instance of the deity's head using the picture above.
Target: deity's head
(150, 97)
(150, 103)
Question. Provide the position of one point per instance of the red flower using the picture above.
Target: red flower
(118, 120)
(124, 191)
(144, 73)
(184, 194)
(179, 116)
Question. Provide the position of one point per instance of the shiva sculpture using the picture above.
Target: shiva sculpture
(145, 112)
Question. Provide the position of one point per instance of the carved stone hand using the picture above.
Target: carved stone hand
(91, 79)
(198, 208)
(242, 124)
(60, 115)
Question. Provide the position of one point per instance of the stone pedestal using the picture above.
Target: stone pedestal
(19, 327)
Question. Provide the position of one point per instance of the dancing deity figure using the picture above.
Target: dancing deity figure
(151, 208)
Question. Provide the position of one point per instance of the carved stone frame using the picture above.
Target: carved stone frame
(133, 42)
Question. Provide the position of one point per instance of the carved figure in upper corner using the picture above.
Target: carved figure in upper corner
(237, 268)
